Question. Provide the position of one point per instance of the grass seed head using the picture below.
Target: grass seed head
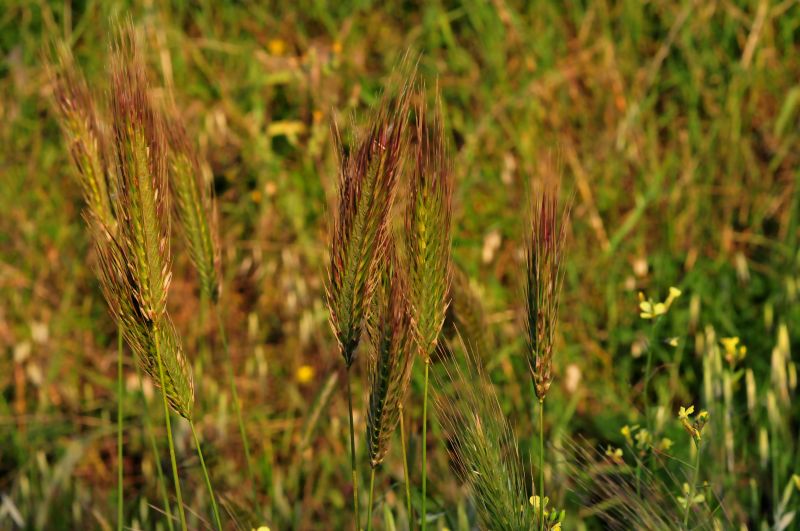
(84, 132)
(428, 230)
(389, 332)
(367, 178)
(194, 206)
(484, 447)
(544, 268)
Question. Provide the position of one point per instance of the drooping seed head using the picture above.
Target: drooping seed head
(428, 230)
(367, 178)
(390, 361)
(544, 268)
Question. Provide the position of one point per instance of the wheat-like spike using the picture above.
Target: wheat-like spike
(367, 179)
(194, 206)
(134, 264)
(483, 446)
(84, 132)
(389, 332)
(142, 196)
(544, 276)
(428, 230)
(467, 315)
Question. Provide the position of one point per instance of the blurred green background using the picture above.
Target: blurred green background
(675, 124)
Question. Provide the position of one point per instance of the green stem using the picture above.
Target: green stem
(541, 463)
(406, 476)
(120, 396)
(235, 397)
(690, 498)
(214, 507)
(148, 426)
(424, 514)
(173, 461)
(647, 375)
(352, 450)
(371, 489)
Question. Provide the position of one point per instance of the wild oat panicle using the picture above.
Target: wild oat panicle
(194, 206)
(428, 231)
(367, 178)
(389, 332)
(544, 268)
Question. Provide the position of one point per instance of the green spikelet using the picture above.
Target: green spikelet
(195, 208)
(367, 180)
(134, 262)
(484, 447)
(83, 131)
(467, 315)
(428, 232)
(545, 255)
(389, 331)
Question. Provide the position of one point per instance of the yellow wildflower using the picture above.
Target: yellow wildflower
(276, 46)
(305, 373)
(649, 309)
(626, 432)
(733, 351)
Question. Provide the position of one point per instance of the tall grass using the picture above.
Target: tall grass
(545, 273)
(428, 218)
(367, 178)
(390, 363)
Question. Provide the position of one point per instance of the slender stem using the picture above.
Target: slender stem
(235, 397)
(541, 462)
(120, 397)
(156, 454)
(647, 375)
(214, 507)
(176, 478)
(371, 489)
(406, 476)
(423, 513)
(690, 498)
(352, 450)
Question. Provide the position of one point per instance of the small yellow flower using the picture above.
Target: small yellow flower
(673, 341)
(665, 444)
(684, 412)
(337, 47)
(642, 438)
(626, 432)
(305, 373)
(262, 528)
(734, 352)
(614, 453)
(276, 46)
(649, 309)
(556, 527)
(674, 293)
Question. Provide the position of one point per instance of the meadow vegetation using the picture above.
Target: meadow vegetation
(322, 265)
